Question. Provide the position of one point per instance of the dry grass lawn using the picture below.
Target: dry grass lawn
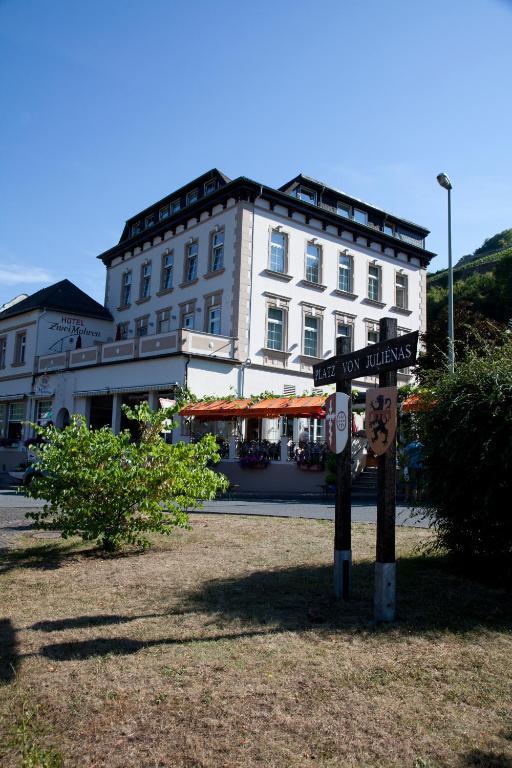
(221, 646)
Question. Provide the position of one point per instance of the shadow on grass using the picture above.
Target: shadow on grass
(431, 599)
(8, 651)
(53, 555)
(486, 759)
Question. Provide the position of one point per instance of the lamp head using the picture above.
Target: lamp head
(444, 180)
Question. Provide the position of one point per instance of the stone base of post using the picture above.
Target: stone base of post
(384, 596)
(342, 573)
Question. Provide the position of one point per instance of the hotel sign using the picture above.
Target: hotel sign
(389, 355)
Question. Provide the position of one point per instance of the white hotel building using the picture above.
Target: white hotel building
(224, 286)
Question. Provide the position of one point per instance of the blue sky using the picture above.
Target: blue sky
(108, 105)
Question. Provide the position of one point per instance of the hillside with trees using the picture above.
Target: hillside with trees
(482, 304)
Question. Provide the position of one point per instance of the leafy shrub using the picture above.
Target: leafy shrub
(107, 488)
(467, 436)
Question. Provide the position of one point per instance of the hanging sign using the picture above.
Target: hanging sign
(336, 421)
(381, 418)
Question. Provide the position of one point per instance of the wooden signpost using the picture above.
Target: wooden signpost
(382, 359)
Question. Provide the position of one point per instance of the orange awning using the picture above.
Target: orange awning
(274, 407)
(216, 409)
(271, 408)
(416, 404)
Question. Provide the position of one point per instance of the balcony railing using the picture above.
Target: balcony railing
(182, 340)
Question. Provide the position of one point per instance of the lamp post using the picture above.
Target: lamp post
(445, 182)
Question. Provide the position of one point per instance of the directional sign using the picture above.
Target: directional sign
(380, 418)
(336, 421)
(389, 355)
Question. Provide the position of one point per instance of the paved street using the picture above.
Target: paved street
(362, 512)
(13, 507)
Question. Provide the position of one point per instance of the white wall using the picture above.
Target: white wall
(298, 236)
(9, 328)
(153, 252)
(59, 331)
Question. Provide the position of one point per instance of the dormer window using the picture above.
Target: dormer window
(388, 229)
(360, 216)
(210, 187)
(175, 206)
(164, 212)
(307, 195)
(342, 209)
(150, 220)
(136, 228)
(192, 197)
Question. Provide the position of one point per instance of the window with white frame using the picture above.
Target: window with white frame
(342, 209)
(145, 281)
(311, 335)
(191, 254)
(167, 271)
(189, 320)
(372, 333)
(308, 195)
(214, 318)
(217, 251)
(44, 412)
(126, 289)
(210, 187)
(122, 331)
(142, 326)
(15, 419)
(163, 320)
(401, 290)
(164, 212)
(313, 263)
(346, 330)
(316, 430)
(374, 279)
(3, 352)
(277, 257)
(345, 272)
(192, 197)
(175, 206)
(360, 216)
(275, 328)
(20, 347)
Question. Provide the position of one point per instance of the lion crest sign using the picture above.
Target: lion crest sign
(336, 421)
(380, 418)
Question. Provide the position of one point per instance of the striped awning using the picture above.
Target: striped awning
(126, 390)
(270, 408)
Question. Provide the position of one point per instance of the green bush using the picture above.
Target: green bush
(108, 488)
(467, 436)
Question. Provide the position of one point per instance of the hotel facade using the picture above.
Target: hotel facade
(224, 287)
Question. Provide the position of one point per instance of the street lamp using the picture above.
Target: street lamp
(445, 182)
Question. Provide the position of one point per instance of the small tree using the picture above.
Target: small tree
(107, 488)
(466, 431)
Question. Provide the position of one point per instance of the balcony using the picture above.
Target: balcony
(55, 362)
(182, 340)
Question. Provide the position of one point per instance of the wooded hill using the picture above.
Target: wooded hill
(482, 304)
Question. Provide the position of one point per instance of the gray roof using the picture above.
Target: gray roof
(63, 296)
